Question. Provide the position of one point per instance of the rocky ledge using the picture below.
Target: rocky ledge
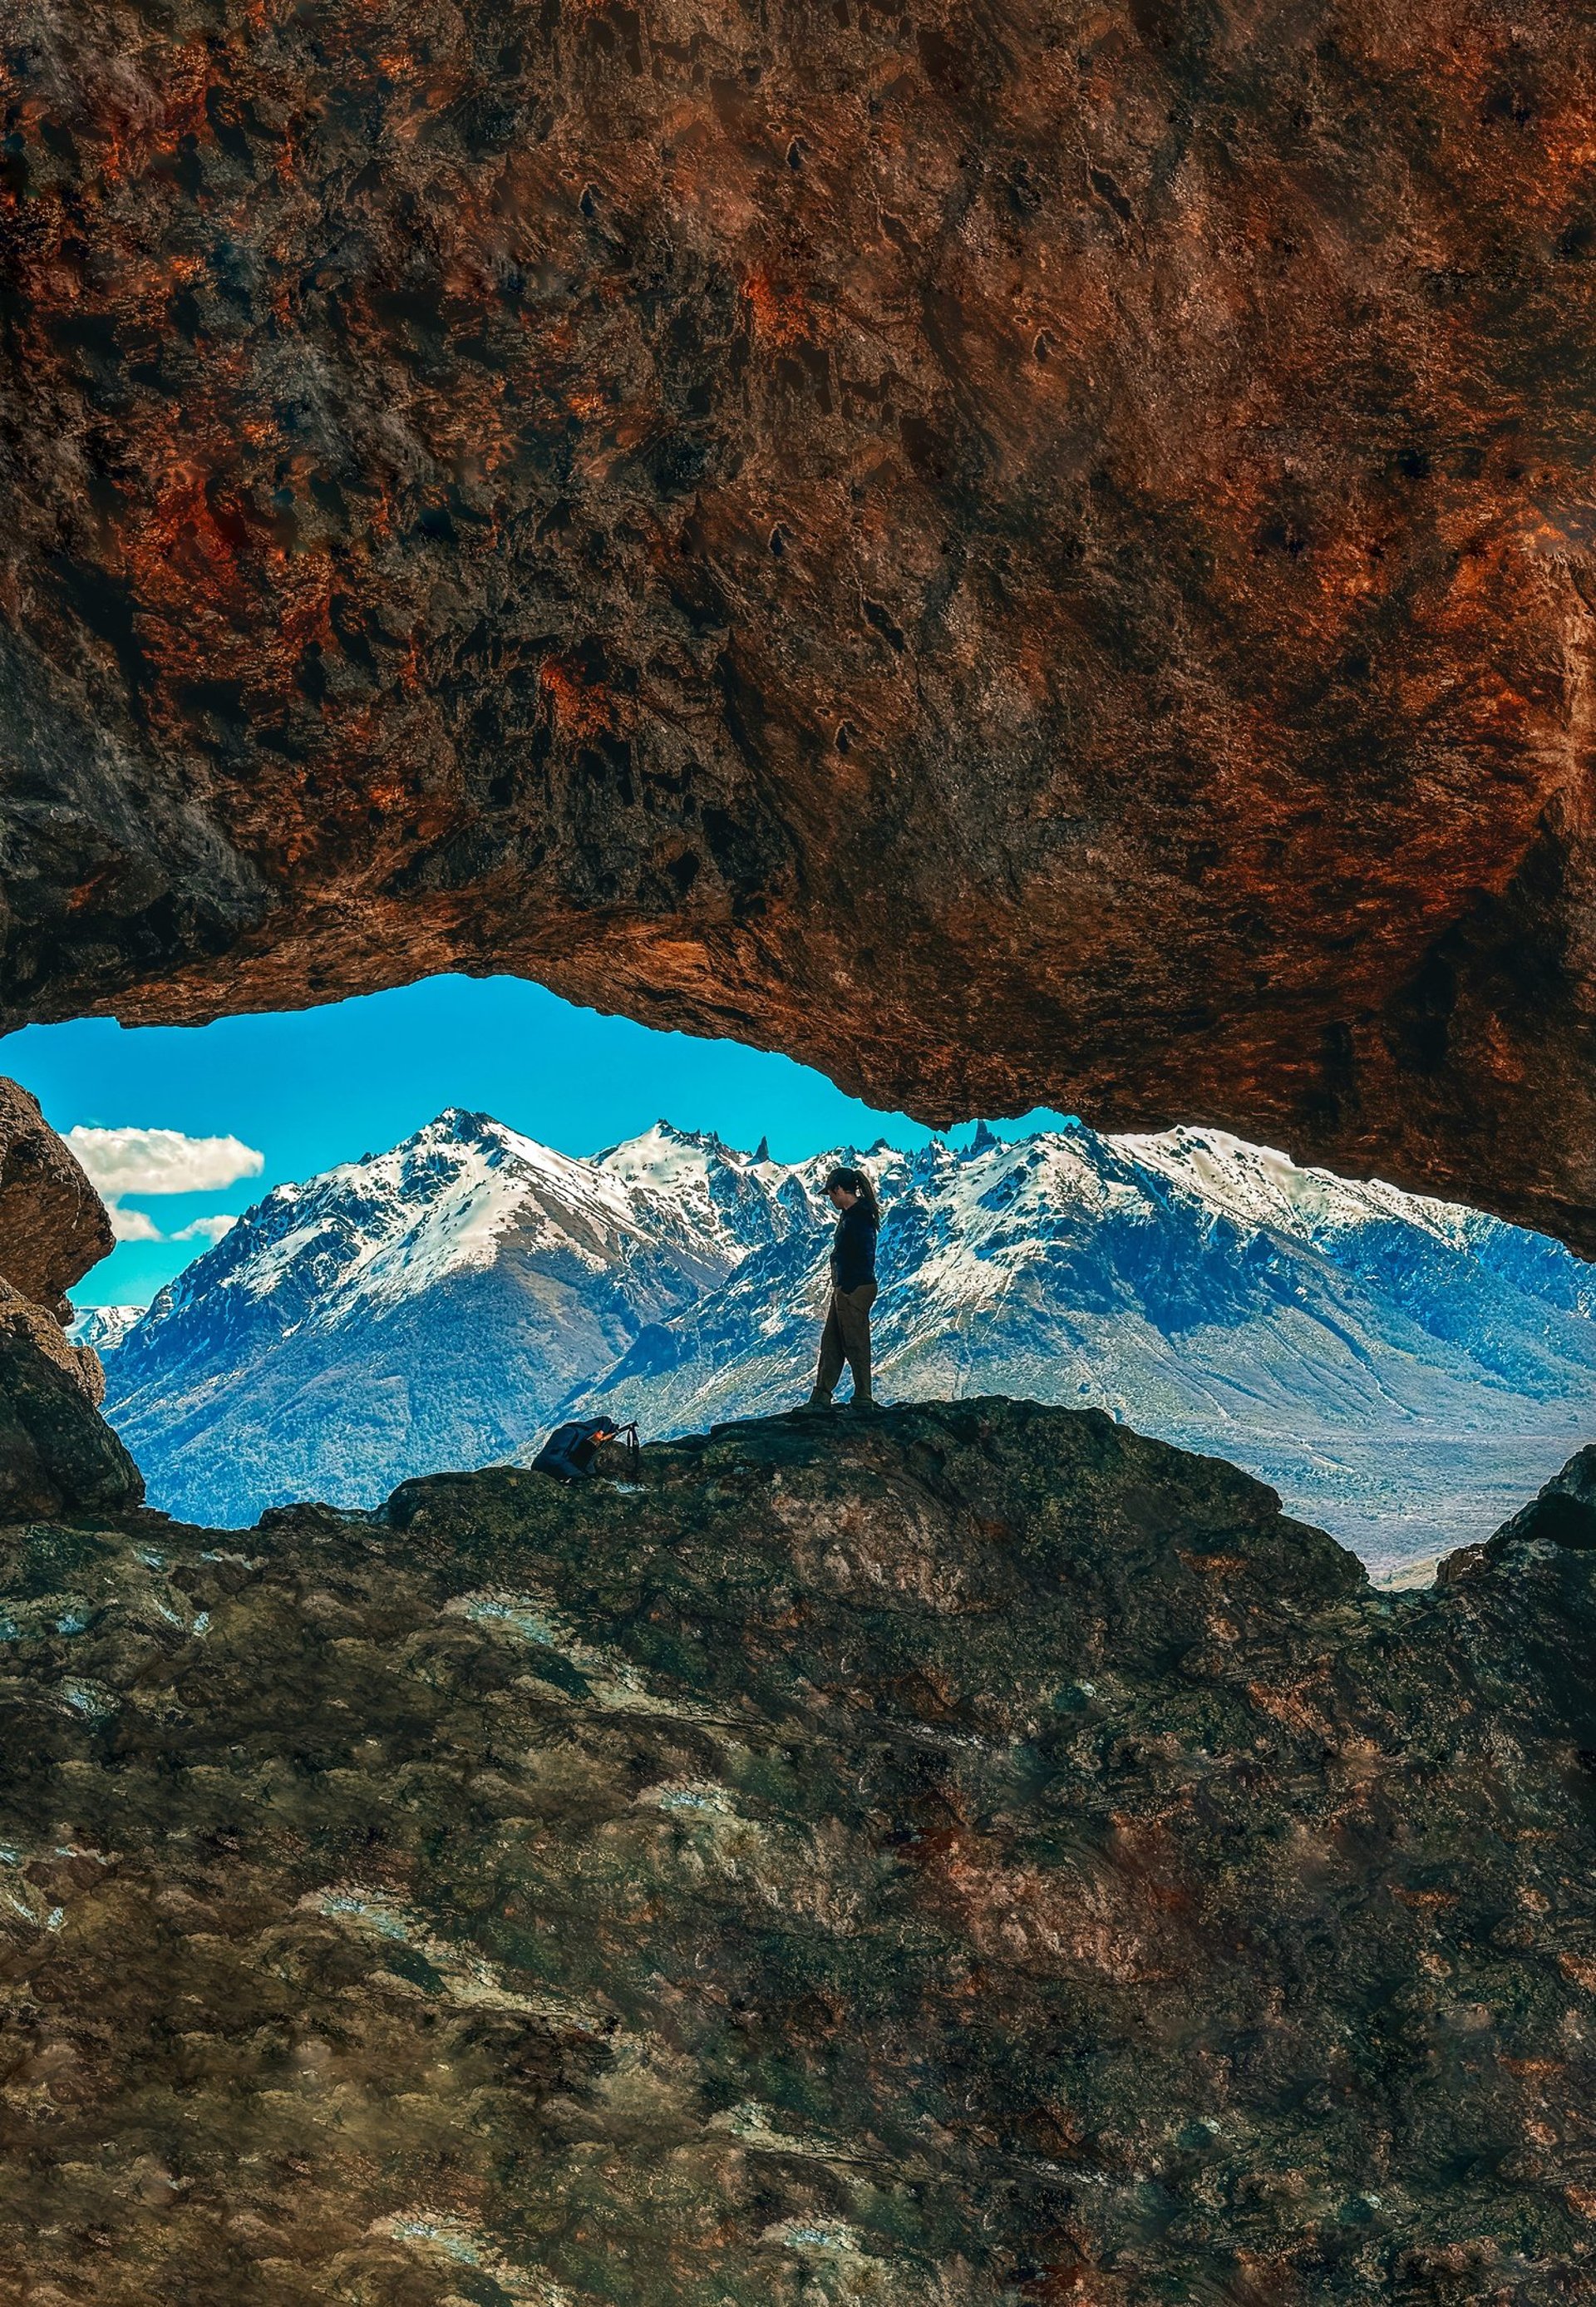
(976, 1855)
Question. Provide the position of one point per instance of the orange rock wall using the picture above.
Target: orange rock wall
(1028, 552)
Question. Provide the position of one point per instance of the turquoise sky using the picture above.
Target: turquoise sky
(312, 1087)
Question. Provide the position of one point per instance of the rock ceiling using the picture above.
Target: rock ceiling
(1018, 553)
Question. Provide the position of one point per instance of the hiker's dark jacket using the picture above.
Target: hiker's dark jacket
(853, 1250)
(570, 1450)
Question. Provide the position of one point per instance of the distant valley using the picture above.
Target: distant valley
(1404, 1372)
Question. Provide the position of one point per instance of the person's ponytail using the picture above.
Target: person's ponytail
(855, 1181)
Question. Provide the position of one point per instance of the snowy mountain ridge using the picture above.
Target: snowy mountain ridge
(104, 1327)
(1385, 1359)
(1401, 1368)
(421, 1308)
(371, 1233)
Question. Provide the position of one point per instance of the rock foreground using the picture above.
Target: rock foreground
(973, 1856)
(1028, 554)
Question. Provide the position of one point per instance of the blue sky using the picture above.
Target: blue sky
(308, 1088)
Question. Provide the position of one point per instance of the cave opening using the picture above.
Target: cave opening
(409, 1231)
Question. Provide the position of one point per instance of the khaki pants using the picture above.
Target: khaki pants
(846, 1339)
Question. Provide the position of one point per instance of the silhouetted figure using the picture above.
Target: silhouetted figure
(847, 1335)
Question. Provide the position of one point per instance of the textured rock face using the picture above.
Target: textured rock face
(56, 1452)
(1028, 554)
(983, 1857)
(52, 1224)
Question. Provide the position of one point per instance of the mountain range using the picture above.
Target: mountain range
(1405, 1371)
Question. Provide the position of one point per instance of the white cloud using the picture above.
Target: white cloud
(207, 1229)
(132, 1225)
(161, 1162)
(137, 1225)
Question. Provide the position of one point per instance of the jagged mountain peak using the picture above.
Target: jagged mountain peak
(446, 1301)
(663, 1150)
(461, 1128)
(426, 1305)
(393, 1224)
(105, 1327)
(740, 1200)
(1397, 1367)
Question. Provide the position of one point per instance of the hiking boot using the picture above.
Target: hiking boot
(818, 1405)
(864, 1405)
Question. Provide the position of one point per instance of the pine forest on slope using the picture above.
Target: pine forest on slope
(1402, 1370)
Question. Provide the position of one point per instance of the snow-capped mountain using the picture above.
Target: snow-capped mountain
(420, 1308)
(737, 1201)
(1402, 1370)
(104, 1327)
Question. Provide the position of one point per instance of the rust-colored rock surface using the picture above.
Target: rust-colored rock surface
(1020, 553)
(52, 1224)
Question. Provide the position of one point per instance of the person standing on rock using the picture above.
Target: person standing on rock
(847, 1335)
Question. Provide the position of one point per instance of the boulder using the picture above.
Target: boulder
(52, 1224)
(56, 1451)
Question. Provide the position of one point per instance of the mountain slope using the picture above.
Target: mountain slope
(1402, 1370)
(420, 1308)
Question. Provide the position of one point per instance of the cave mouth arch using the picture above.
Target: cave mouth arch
(806, 551)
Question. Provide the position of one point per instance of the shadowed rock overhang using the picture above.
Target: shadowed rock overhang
(1019, 555)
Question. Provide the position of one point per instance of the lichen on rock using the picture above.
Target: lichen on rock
(977, 1856)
